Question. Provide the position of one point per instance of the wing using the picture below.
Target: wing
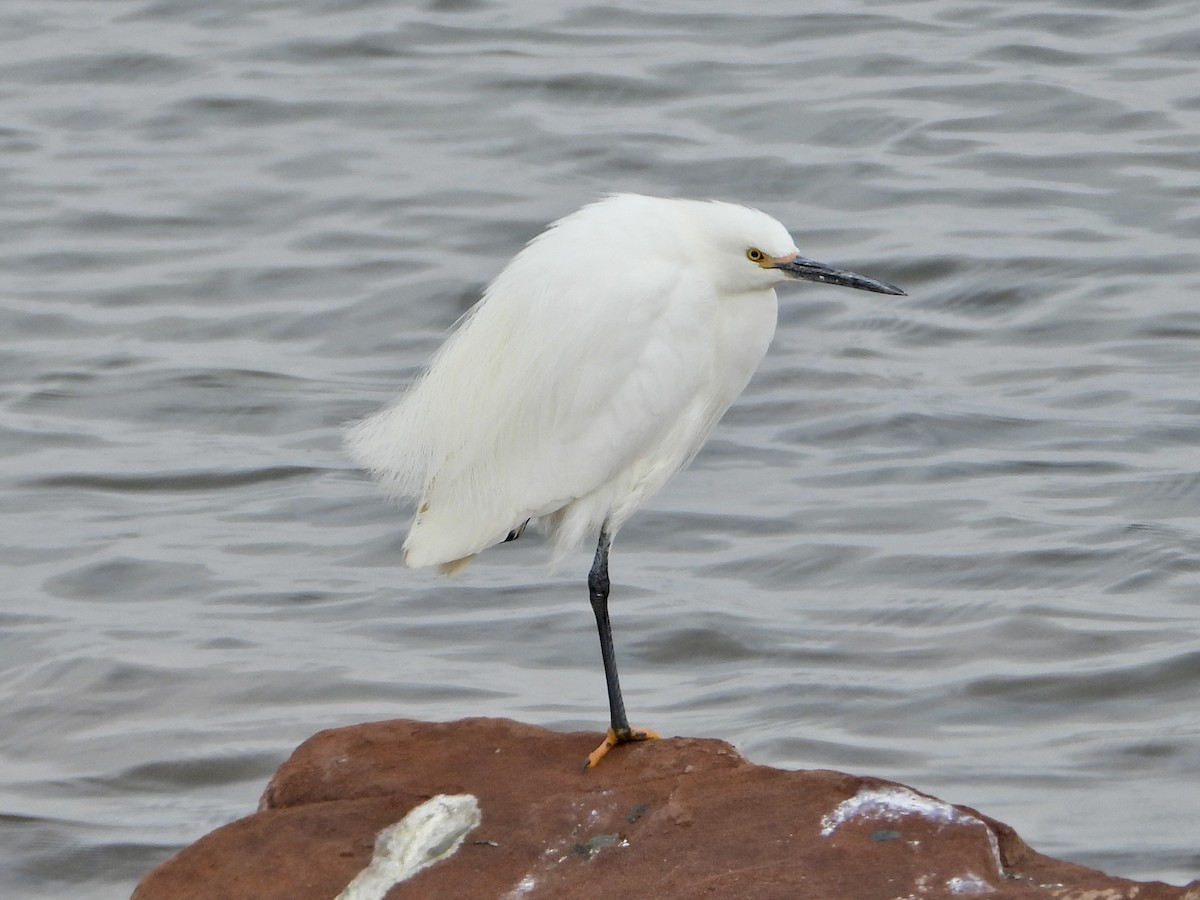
(544, 394)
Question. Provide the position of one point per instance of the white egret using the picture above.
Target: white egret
(591, 371)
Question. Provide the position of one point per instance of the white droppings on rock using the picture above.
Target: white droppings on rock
(892, 803)
(429, 833)
(969, 884)
(525, 886)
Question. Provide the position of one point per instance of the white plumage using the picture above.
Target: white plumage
(592, 370)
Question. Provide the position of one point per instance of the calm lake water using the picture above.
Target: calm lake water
(951, 539)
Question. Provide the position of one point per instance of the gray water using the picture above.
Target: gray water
(951, 539)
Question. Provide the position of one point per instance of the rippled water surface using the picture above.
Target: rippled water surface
(951, 539)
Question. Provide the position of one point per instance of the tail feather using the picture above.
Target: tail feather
(446, 537)
(455, 565)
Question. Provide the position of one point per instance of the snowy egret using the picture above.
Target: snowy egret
(591, 371)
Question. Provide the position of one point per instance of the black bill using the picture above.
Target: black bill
(811, 270)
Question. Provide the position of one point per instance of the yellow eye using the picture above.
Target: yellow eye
(755, 255)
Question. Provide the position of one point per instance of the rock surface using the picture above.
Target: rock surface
(673, 819)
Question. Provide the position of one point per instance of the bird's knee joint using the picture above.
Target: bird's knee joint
(598, 586)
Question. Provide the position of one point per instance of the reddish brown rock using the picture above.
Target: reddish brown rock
(675, 819)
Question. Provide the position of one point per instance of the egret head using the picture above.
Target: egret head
(739, 249)
(754, 250)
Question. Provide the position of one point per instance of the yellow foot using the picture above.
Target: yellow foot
(613, 738)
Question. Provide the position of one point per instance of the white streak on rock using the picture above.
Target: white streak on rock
(969, 884)
(429, 833)
(525, 886)
(892, 803)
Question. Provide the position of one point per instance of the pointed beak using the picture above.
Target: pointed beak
(811, 270)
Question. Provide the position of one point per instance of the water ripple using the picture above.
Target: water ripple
(949, 538)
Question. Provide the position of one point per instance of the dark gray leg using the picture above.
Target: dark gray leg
(598, 589)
